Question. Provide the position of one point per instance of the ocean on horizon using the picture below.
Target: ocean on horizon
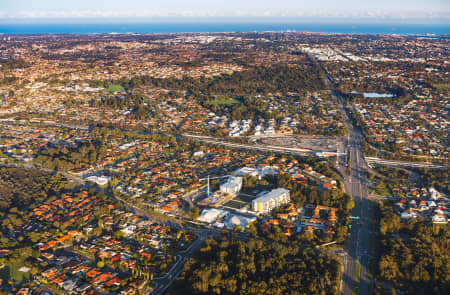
(203, 27)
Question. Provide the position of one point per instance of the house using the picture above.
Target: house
(406, 215)
(70, 284)
(24, 291)
(439, 218)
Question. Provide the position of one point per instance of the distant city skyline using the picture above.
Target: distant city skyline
(154, 10)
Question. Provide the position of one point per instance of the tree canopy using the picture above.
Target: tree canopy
(235, 267)
(415, 256)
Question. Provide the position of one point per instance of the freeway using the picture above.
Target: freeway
(268, 148)
(394, 163)
(358, 243)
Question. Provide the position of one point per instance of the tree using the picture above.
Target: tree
(254, 267)
(195, 212)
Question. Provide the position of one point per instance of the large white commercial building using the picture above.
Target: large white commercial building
(232, 186)
(271, 200)
(211, 214)
(233, 220)
(259, 171)
(100, 180)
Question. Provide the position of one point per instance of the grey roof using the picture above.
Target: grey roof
(273, 194)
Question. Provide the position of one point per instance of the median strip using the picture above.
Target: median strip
(356, 278)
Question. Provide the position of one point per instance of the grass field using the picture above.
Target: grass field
(225, 102)
(235, 204)
(242, 198)
(239, 202)
(383, 191)
(115, 88)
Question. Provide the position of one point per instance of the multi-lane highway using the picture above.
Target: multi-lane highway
(358, 243)
(256, 147)
(360, 236)
(394, 163)
(358, 247)
(354, 243)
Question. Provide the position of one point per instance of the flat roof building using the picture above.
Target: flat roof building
(271, 200)
(233, 220)
(232, 186)
(211, 215)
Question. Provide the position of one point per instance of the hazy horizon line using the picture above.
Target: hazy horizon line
(293, 20)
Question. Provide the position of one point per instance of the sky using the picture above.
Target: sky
(269, 9)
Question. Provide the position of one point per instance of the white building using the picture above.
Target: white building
(434, 193)
(246, 171)
(198, 154)
(259, 171)
(100, 180)
(234, 220)
(232, 186)
(271, 200)
(211, 215)
(406, 215)
(439, 218)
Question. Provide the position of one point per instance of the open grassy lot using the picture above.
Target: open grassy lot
(235, 204)
(244, 198)
(220, 102)
(115, 88)
(240, 201)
